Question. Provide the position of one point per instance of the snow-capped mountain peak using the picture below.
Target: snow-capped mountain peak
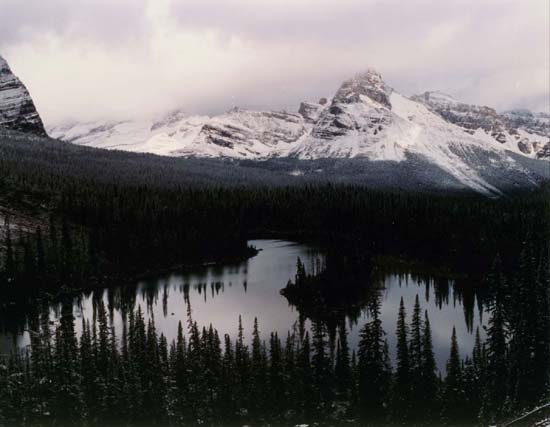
(369, 84)
(365, 119)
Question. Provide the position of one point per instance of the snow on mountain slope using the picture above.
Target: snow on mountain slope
(172, 133)
(246, 134)
(384, 125)
(366, 119)
(17, 110)
(519, 131)
(237, 133)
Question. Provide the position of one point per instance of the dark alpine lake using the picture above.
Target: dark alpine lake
(218, 294)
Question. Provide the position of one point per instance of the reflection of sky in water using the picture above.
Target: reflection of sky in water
(219, 294)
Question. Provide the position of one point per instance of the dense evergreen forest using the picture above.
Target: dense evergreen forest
(97, 215)
(96, 231)
(99, 218)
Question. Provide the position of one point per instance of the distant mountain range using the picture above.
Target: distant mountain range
(431, 137)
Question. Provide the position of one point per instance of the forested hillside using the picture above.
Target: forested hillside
(99, 214)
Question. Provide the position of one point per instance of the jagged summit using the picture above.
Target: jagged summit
(368, 83)
(17, 110)
(368, 78)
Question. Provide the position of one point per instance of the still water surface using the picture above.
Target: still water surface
(219, 294)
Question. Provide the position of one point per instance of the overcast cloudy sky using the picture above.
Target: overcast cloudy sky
(86, 59)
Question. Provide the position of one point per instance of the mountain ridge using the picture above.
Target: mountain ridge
(366, 119)
(244, 133)
(522, 129)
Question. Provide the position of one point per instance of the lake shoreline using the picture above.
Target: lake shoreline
(219, 291)
(381, 262)
(127, 278)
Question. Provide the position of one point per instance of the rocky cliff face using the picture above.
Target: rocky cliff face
(538, 123)
(311, 111)
(17, 110)
(361, 104)
(252, 133)
(520, 130)
(533, 130)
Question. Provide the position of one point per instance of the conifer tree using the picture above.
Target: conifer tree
(180, 366)
(321, 367)
(415, 357)
(306, 390)
(496, 387)
(276, 379)
(373, 370)
(258, 370)
(471, 391)
(229, 403)
(68, 408)
(429, 382)
(342, 369)
(195, 364)
(242, 366)
(290, 372)
(415, 348)
(453, 399)
(402, 397)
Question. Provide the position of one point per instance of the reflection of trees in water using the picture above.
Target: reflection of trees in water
(334, 288)
(125, 299)
(209, 290)
(152, 293)
(465, 291)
